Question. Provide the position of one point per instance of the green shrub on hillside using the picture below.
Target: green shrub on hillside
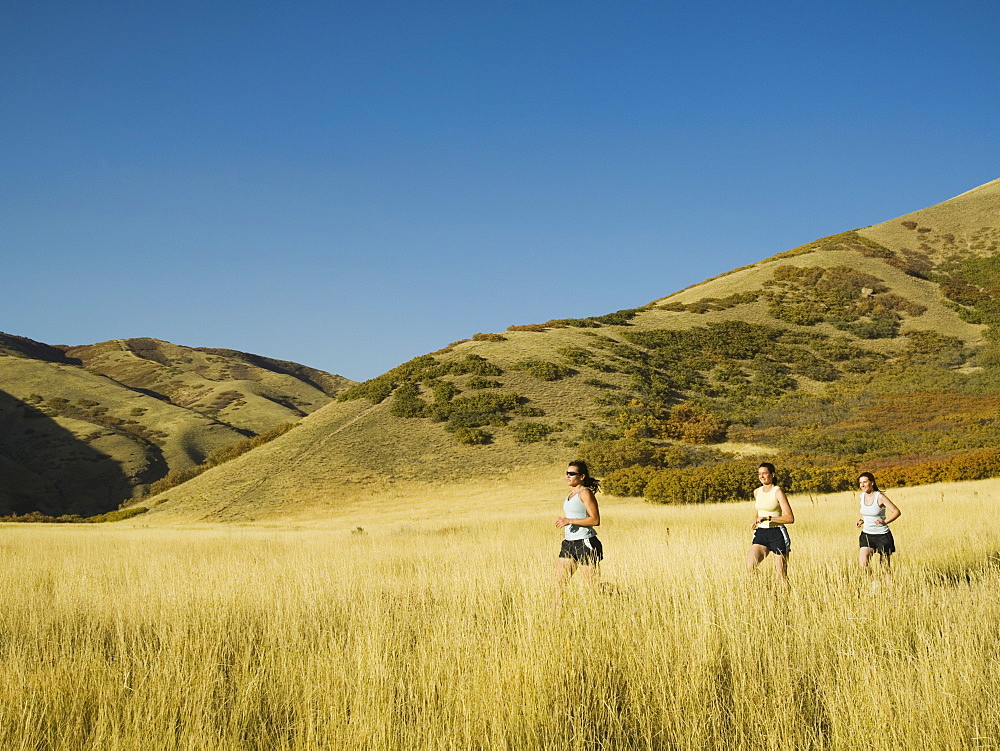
(728, 481)
(618, 318)
(536, 327)
(477, 382)
(710, 304)
(476, 365)
(849, 299)
(528, 410)
(607, 455)
(932, 348)
(472, 436)
(406, 402)
(36, 517)
(476, 411)
(424, 369)
(444, 391)
(530, 432)
(544, 371)
(628, 481)
(693, 425)
(598, 383)
(489, 338)
(576, 355)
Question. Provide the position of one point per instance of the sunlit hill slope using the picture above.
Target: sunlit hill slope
(875, 347)
(85, 428)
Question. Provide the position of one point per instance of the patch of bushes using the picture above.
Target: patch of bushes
(530, 432)
(709, 304)
(599, 384)
(849, 299)
(477, 382)
(533, 327)
(472, 436)
(423, 369)
(406, 402)
(932, 348)
(36, 517)
(618, 318)
(692, 425)
(544, 371)
(528, 410)
(605, 455)
(489, 338)
(576, 355)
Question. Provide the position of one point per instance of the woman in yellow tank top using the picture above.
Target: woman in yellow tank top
(772, 512)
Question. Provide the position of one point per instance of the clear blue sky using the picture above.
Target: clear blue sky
(351, 184)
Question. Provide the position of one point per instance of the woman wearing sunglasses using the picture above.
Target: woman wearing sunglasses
(580, 547)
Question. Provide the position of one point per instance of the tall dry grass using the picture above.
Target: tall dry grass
(444, 634)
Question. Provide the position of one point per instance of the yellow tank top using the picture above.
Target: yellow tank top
(767, 504)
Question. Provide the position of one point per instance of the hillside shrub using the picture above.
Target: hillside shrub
(619, 317)
(709, 304)
(377, 389)
(528, 410)
(476, 382)
(932, 348)
(544, 371)
(36, 517)
(116, 516)
(444, 391)
(489, 338)
(406, 402)
(973, 465)
(576, 355)
(606, 456)
(475, 365)
(599, 384)
(627, 481)
(532, 327)
(479, 410)
(530, 432)
(472, 436)
(875, 328)
(729, 481)
(693, 425)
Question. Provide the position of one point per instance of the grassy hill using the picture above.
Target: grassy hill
(873, 348)
(83, 429)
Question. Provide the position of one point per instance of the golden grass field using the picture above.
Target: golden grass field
(436, 629)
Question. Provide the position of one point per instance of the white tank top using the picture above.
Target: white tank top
(870, 513)
(573, 508)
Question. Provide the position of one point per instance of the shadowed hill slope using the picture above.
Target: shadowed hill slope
(875, 347)
(142, 406)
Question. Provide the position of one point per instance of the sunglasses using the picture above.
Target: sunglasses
(573, 474)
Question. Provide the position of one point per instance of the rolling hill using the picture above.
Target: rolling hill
(872, 348)
(86, 428)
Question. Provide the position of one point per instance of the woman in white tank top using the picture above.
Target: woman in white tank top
(580, 547)
(877, 512)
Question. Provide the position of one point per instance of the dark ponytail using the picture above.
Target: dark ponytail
(591, 483)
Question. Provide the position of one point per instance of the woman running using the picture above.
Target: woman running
(771, 513)
(580, 546)
(874, 523)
